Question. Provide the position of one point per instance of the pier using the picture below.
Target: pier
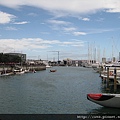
(110, 75)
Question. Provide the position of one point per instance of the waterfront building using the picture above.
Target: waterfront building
(22, 56)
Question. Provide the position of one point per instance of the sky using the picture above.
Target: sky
(41, 28)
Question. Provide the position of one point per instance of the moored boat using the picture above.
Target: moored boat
(104, 99)
(34, 71)
(48, 66)
(53, 70)
(19, 72)
(6, 73)
(105, 74)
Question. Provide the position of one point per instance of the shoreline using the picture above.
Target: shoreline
(24, 67)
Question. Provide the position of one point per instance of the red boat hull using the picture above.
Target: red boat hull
(107, 100)
(53, 70)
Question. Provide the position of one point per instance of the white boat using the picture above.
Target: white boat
(27, 71)
(19, 72)
(104, 75)
(47, 66)
(104, 99)
(5, 73)
(87, 65)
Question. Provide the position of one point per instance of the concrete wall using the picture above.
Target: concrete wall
(37, 68)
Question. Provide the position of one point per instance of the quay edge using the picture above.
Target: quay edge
(36, 68)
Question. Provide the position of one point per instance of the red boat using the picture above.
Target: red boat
(104, 99)
(53, 70)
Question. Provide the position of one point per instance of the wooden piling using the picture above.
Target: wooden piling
(100, 70)
(115, 82)
(107, 78)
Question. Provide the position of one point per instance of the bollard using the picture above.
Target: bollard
(101, 69)
(115, 82)
(107, 78)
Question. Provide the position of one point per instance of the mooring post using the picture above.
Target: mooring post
(107, 77)
(115, 82)
(100, 70)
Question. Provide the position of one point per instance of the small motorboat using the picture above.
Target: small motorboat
(104, 99)
(53, 70)
(34, 71)
(19, 72)
(6, 73)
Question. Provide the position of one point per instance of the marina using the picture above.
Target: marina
(59, 58)
(62, 92)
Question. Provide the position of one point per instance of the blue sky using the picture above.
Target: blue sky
(39, 27)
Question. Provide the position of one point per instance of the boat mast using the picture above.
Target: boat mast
(98, 54)
(58, 54)
(88, 54)
(91, 54)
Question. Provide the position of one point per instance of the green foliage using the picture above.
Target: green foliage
(6, 58)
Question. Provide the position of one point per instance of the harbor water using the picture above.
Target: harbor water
(60, 92)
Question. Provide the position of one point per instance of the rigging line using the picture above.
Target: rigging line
(115, 46)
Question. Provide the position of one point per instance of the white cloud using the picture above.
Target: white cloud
(6, 18)
(100, 19)
(95, 31)
(117, 10)
(79, 33)
(59, 25)
(33, 14)
(85, 19)
(67, 7)
(73, 43)
(21, 23)
(9, 45)
(58, 22)
(69, 29)
(112, 6)
(10, 28)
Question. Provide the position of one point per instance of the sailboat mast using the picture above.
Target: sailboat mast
(88, 54)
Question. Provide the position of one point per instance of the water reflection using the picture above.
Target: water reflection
(105, 110)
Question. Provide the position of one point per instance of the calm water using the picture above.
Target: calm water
(62, 92)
